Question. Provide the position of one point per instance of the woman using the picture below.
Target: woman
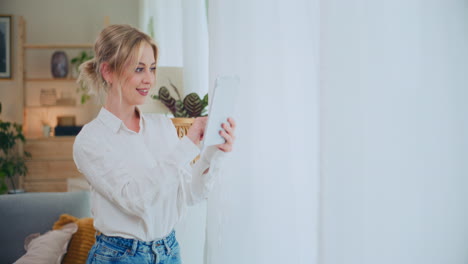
(139, 170)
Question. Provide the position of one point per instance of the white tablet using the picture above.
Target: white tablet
(222, 106)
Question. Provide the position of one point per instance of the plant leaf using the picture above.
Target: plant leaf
(193, 105)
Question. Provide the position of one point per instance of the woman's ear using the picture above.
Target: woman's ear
(107, 73)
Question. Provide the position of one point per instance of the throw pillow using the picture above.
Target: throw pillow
(48, 248)
(81, 242)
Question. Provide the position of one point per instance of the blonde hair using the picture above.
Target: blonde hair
(119, 46)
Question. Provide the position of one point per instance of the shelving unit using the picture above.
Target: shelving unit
(31, 85)
(52, 163)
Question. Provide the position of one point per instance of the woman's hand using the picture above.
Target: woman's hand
(196, 131)
(228, 133)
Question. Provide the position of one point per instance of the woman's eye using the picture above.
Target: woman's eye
(153, 69)
(139, 69)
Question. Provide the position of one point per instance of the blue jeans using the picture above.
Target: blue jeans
(120, 250)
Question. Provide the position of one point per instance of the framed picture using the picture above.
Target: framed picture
(5, 46)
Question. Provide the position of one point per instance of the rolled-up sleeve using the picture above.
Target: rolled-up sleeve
(202, 183)
(198, 184)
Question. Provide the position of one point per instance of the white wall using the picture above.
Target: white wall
(394, 126)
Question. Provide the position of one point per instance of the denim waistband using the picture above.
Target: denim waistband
(136, 244)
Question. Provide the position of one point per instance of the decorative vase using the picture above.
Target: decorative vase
(59, 64)
(46, 130)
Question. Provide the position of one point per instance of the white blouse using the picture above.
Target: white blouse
(141, 182)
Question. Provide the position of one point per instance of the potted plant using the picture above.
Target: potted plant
(76, 62)
(184, 110)
(11, 162)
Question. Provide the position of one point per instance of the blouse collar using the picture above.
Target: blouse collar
(113, 122)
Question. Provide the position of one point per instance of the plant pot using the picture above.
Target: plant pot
(16, 191)
(182, 125)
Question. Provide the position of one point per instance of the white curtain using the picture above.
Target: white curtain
(180, 30)
(395, 125)
(352, 132)
(264, 207)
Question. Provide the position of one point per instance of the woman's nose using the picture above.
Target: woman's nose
(149, 77)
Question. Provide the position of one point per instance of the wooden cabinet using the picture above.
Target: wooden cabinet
(51, 164)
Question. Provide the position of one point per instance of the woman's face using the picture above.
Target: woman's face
(140, 78)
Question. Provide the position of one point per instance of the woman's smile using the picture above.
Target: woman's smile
(143, 91)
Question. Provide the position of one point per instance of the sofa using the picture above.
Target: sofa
(27, 213)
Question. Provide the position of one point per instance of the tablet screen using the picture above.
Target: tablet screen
(222, 106)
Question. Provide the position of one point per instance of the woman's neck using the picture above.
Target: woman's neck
(127, 113)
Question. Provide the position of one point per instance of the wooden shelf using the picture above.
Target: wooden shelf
(51, 80)
(58, 46)
(49, 139)
(47, 106)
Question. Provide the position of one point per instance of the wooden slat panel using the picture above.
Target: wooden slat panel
(45, 186)
(61, 169)
(51, 164)
(58, 46)
(67, 79)
(50, 149)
